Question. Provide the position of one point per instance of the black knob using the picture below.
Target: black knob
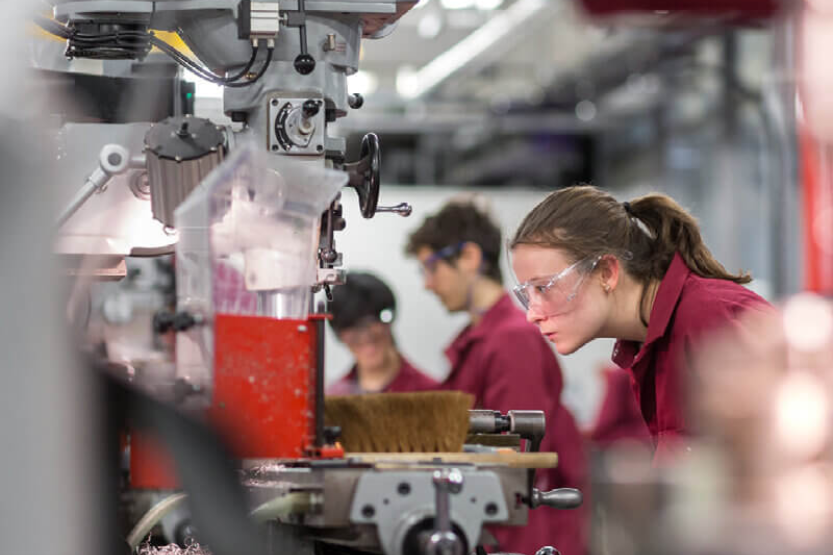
(163, 322)
(355, 101)
(304, 64)
(331, 434)
(311, 108)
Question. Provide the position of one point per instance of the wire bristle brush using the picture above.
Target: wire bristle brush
(424, 422)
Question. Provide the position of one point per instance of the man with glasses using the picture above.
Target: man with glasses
(503, 361)
(363, 310)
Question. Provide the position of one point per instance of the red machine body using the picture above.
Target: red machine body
(264, 400)
(268, 398)
(151, 466)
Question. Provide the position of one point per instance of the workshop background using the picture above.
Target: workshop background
(510, 99)
(504, 100)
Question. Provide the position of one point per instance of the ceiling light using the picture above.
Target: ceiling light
(457, 4)
(488, 5)
(430, 25)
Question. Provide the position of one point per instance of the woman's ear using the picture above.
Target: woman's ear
(471, 257)
(610, 269)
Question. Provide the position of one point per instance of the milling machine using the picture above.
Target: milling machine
(251, 214)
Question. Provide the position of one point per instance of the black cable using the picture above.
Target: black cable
(203, 72)
(114, 45)
(245, 71)
(261, 73)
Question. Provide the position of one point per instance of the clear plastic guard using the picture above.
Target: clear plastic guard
(248, 245)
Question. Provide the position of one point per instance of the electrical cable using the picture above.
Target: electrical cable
(269, 52)
(116, 44)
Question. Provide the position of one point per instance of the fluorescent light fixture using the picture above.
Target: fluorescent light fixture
(488, 5)
(502, 30)
(363, 82)
(457, 4)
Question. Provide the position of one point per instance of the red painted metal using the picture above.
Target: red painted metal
(264, 385)
(815, 146)
(747, 8)
(151, 467)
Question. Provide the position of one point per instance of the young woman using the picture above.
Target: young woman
(589, 266)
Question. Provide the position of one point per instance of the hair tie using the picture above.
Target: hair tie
(627, 207)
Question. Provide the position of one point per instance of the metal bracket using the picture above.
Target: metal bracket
(398, 502)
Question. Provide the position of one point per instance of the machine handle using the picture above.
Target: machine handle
(403, 209)
(562, 498)
(444, 541)
(548, 550)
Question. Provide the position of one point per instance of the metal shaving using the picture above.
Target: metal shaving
(193, 548)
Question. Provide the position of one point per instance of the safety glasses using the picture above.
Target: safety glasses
(552, 294)
(445, 253)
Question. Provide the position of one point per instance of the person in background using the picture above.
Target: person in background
(503, 361)
(363, 310)
(589, 266)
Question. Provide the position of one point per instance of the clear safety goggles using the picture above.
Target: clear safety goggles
(552, 294)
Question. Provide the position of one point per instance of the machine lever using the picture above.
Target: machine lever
(364, 175)
(548, 550)
(562, 498)
(403, 209)
(444, 541)
(112, 160)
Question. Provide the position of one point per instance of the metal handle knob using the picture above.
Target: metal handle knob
(562, 498)
(404, 209)
(548, 550)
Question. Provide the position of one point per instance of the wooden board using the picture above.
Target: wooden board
(510, 459)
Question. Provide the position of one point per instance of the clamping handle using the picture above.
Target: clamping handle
(562, 498)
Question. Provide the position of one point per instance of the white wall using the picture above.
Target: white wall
(423, 327)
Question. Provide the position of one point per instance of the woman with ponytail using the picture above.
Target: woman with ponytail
(589, 266)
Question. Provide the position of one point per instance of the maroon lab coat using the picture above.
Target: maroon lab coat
(408, 379)
(686, 307)
(619, 418)
(506, 364)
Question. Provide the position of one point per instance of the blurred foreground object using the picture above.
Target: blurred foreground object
(763, 398)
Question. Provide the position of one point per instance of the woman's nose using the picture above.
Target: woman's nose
(533, 316)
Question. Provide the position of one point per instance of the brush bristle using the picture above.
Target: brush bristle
(424, 422)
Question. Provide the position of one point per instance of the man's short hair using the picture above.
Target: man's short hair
(461, 222)
(363, 298)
